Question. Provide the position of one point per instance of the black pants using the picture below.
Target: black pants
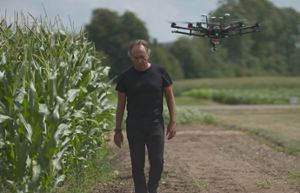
(155, 148)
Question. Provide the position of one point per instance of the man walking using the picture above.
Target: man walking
(142, 88)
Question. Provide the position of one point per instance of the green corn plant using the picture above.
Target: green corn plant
(54, 111)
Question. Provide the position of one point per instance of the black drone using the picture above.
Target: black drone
(215, 29)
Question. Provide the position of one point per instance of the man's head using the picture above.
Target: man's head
(139, 53)
(139, 42)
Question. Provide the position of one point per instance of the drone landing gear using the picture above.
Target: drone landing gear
(213, 48)
(214, 42)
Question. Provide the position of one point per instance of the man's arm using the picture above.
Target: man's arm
(118, 137)
(171, 129)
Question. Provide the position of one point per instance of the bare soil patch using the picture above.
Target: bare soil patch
(207, 159)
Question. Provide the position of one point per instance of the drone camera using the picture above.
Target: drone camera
(190, 25)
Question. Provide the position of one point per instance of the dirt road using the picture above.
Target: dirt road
(207, 159)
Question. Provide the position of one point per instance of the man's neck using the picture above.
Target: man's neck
(143, 68)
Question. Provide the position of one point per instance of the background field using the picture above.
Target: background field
(277, 124)
(251, 90)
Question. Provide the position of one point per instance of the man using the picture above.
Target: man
(142, 87)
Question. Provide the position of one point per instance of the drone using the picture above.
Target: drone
(215, 29)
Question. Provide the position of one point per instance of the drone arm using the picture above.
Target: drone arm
(244, 30)
(188, 33)
(195, 28)
(251, 28)
(237, 33)
(179, 27)
(254, 27)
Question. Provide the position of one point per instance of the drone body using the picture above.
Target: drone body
(215, 30)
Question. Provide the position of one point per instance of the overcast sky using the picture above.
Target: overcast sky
(155, 13)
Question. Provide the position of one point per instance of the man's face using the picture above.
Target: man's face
(139, 55)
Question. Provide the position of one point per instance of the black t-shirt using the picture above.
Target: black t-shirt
(144, 91)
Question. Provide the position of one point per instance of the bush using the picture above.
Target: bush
(246, 95)
(188, 114)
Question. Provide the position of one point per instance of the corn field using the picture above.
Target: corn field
(54, 111)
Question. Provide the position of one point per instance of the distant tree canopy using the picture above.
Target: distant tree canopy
(112, 33)
(275, 48)
(273, 51)
(160, 55)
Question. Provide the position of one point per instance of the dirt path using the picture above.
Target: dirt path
(206, 159)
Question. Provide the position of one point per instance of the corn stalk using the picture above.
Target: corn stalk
(54, 111)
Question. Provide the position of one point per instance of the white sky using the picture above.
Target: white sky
(155, 13)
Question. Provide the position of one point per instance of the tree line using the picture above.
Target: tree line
(275, 50)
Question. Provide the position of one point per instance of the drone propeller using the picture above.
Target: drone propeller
(186, 22)
(189, 25)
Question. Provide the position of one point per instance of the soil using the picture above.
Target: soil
(208, 159)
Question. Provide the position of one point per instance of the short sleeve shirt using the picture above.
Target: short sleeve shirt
(144, 91)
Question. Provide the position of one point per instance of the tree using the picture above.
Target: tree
(271, 51)
(161, 55)
(187, 53)
(112, 33)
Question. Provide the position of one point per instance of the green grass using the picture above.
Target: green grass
(244, 95)
(190, 114)
(279, 126)
(293, 176)
(190, 101)
(248, 82)
(249, 90)
(99, 170)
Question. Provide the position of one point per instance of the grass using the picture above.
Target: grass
(99, 170)
(190, 114)
(249, 82)
(278, 125)
(263, 184)
(293, 176)
(191, 101)
(246, 95)
(247, 90)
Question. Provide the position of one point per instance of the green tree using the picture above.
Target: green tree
(271, 51)
(112, 33)
(187, 54)
(161, 55)
(197, 60)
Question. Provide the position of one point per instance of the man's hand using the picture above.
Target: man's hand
(118, 138)
(171, 130)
